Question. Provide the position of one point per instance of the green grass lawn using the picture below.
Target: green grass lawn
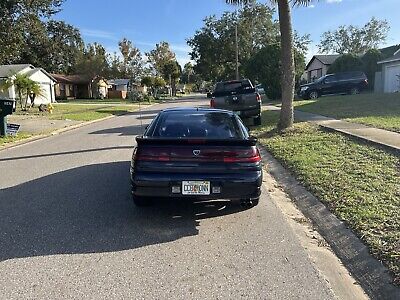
(13, 139)
(360, 183)
(71, 112)
(378, 110)
(87, 112)
(104, 101)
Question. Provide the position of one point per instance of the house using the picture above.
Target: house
(79, 87)
(388, 80)
(318, 66)
(45, 80)
(118, 88)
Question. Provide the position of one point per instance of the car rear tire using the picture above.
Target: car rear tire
(313, 95)
(354, 91)
(257, 120)
(140, 201)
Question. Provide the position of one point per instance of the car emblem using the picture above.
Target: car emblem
(235, 98)
(196, 152)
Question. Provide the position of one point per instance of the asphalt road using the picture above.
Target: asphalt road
(68, 229)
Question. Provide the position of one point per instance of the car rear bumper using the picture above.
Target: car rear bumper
(250, 113)
(232, 186)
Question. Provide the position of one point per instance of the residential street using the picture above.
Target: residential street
(68, 229)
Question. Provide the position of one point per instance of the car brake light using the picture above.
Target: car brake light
(166, 154)
(153, 154)
(258, 97)
(212, 103)
(251, 156)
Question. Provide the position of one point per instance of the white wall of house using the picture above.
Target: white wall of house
(316, 70)
(391, 83)
(47, 86)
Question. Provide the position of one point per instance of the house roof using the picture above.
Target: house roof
(326, 59)
(118, 81)
(7, 70)
(74, 79)
(395, 57)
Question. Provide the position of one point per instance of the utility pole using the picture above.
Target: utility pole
(237, 46)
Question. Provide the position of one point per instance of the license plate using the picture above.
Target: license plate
(195, 187)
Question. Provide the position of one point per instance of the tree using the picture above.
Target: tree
(160, 56)
(213, 46)
(21, 22)
(92, 61)
(264, 66)
(64, 44)
(346, 62)
(154, 83)
(187, 73)
(370, 65)
(133, 64)
(171, 73)
(287, 57)
(355, 40)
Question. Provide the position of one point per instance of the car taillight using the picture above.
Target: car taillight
(212, 103)
(258, 97)
(251, 155)
(201, 154)
(153, 154)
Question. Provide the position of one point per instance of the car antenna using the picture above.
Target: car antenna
(140, 116)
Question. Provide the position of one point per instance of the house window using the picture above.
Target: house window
(319, 73)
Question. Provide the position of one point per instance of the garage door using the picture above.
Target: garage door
(392, 81)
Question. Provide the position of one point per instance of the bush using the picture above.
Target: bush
(346, 63)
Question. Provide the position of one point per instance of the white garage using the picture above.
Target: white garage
(391, 73)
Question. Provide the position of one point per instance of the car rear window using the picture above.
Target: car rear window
(233, 87)
(210, 125)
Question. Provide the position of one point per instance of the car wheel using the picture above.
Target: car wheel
(354, 91)
(140, 201)
(257, 120)
(314, 95)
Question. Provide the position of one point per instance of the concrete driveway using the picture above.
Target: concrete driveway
(68, 229)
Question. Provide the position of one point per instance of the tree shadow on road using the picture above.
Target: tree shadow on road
(89, 210)
(122, 131)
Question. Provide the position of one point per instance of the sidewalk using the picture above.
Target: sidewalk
(378, 136)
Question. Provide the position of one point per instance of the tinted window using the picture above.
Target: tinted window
(330, 79)
(233, 87)
(212, 125)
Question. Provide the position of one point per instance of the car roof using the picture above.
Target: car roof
(195, 109)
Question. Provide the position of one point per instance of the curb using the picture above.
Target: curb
(371, 274)
(62, 130)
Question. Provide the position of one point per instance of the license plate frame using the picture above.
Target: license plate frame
(196, 188)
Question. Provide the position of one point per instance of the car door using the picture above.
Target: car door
(329, 85)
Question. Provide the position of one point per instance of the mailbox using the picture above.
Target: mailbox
(6, 108)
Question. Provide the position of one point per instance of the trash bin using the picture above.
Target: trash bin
(6, 108)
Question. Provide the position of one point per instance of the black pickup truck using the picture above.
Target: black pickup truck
(239, 96)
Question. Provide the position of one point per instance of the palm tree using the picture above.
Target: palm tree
(288, 71)
(33, 89)
(24, 86)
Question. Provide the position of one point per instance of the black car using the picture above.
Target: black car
(197, 154)
(338, 83)
(239, 96)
